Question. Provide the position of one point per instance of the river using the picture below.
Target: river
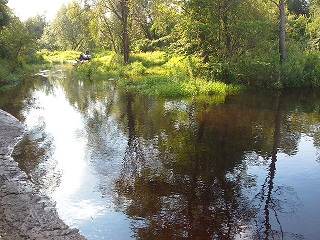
(126, 166)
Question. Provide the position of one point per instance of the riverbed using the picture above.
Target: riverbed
(126, 166)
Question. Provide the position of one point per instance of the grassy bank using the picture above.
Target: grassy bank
(149, 73)
(12, 72)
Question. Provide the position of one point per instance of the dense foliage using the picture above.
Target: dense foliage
(18, 44)
(256, 43)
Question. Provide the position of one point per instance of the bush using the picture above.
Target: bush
(137, 69)
(177, 66)
(116, 60)
(150, 59)
(146, 45)
(7, 78)
(88, 70)
(223, 72)
(36, 58)
(59, 56)
(303, 71)
(312, 69)
(258, 74)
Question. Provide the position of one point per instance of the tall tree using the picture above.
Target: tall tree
(282, 30)
(224, 31)
(125, 34)
(104, 28)
(70, 28)
(119, 9)
(35, 25)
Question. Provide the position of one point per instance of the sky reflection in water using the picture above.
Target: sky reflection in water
(77, 197)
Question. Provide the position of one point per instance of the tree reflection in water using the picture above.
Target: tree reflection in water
(269, 197)
(189, 181)
(185, 171)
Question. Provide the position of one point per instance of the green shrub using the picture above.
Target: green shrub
(37, 58)
(303, 71)
(137, 68)
(8, 78)
(116, 60)
(258, 74)
(312, 69)
(88, 70)
(178, 66)
(59, 56)
(146, 45)
(150, 59)
(223, 72)
(293, 74)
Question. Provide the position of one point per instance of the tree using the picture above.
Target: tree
(224, 31)
(313, 27)
(35, 25)
(125, 34)
(119, 10)
(5, 13)
(70, 28)
(17, 44)
(105, 29)
(298, 7)
(155, 19)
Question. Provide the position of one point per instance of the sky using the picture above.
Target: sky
(29, 8)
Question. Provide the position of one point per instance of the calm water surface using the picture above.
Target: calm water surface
(123, 166)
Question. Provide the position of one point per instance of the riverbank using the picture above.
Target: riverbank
(25, 213)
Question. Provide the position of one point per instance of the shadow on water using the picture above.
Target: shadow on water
(124, 166)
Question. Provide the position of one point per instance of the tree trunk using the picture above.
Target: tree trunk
(125, 37)
(282, 33)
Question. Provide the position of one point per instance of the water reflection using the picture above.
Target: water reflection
(123, 166)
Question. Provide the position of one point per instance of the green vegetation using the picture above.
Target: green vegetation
(18, 46)
(156, 73)
(172, 47)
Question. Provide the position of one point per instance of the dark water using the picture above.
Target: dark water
(122, 166)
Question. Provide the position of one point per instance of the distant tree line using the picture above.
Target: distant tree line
(264, 43)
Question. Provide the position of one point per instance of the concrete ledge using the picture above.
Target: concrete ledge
(25, 213)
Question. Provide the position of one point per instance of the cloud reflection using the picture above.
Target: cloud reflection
(66, 127)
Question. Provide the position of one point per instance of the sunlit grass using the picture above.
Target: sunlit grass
(169, 86)
(154, 73)
(59, 57)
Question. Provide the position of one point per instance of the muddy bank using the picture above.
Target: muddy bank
(25, 213)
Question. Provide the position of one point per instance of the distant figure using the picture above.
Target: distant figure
(85, 57)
